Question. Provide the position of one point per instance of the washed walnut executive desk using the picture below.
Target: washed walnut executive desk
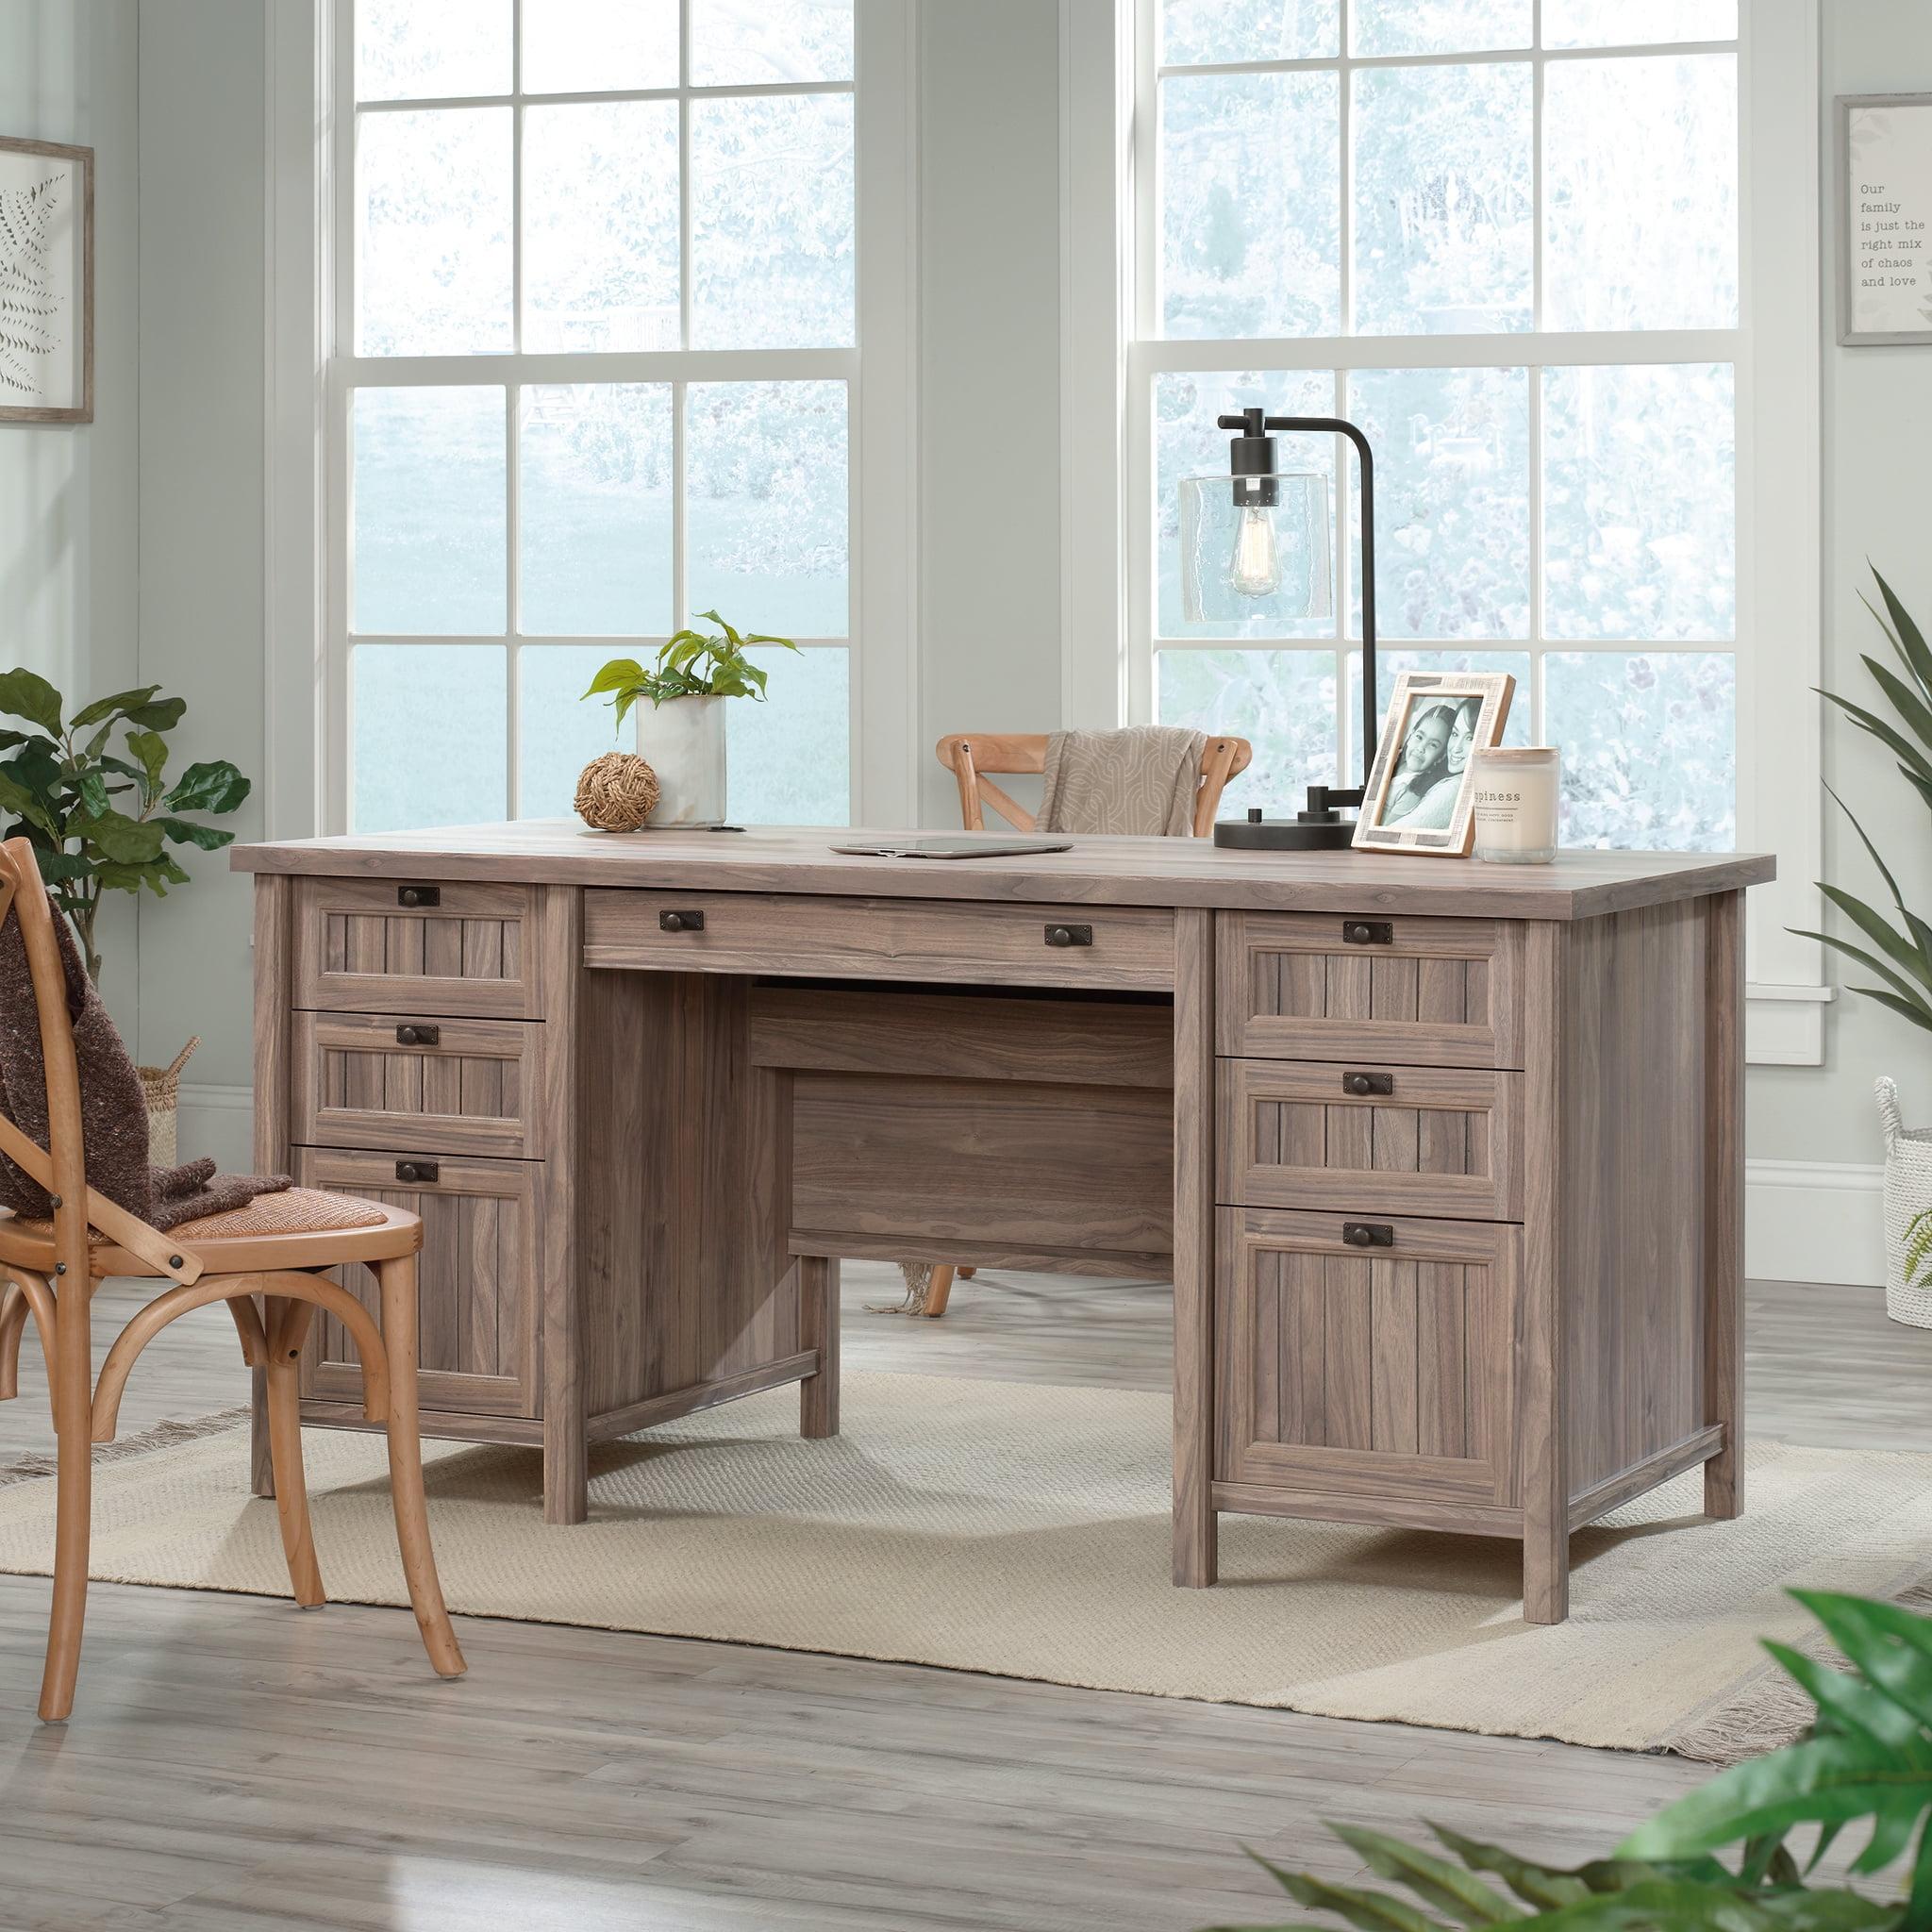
(1445, 1160)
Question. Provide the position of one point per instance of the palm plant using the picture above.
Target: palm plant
(1867, 1756)
(1906, 944)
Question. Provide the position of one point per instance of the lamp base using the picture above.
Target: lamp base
(1253, 834)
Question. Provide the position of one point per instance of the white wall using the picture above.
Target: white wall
(1878, 495)
(69, 521)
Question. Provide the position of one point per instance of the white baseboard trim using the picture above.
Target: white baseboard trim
(1814, 1221)
(1803, 1220)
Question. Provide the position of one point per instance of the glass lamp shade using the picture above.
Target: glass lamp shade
(1244, 562)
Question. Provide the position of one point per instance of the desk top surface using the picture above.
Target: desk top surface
(1098, 871)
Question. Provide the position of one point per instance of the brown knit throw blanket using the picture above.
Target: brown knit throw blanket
(113, 1111)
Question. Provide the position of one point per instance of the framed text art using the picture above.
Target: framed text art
(1885, 219)
(46, 282)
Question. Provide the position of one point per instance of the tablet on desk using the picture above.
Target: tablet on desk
(955, 848)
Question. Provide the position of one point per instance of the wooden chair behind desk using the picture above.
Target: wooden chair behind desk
(970, 757)
(276, 1248)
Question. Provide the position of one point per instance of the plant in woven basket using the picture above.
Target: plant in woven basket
(1906, 967)
(688, 665)
(1866, 1756)
(101, 816)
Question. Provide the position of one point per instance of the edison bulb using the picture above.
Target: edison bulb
(1254, 569)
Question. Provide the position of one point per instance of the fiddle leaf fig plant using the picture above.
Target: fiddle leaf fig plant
(688, 665)
(1899, 948)
(100, 815)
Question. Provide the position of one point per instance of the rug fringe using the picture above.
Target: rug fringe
(1771, 1712)
(164, 1435)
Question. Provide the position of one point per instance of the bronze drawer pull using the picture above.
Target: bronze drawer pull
(419, 1169)
(1368, 932)
(1368, 1234)
(1070, 935)
(418, 896)
(1359, 1084)
(680, 922)
(419, 1035)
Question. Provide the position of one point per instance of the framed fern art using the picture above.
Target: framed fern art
(46, 282)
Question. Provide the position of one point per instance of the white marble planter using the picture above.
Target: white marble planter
(683, 741)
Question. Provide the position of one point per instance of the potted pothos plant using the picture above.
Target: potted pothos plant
(94, 797)
(1895, 947)
(687, 682)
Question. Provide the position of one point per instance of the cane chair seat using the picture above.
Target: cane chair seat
(296, 1228)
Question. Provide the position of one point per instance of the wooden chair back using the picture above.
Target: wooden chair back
(61, 1167)
(971, 755)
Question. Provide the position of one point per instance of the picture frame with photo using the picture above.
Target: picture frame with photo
(46, 282)
(1420, 792)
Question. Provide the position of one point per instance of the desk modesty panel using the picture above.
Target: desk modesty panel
(1445, 1160)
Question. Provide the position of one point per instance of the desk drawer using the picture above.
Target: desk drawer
(375, 946)
(1371, 1140)
(1386, 1376)
(429, 1086)
(479, 1280)
(934, 939)
(1317, 986)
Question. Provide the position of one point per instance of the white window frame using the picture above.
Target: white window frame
(1776, 351)
(309, 124)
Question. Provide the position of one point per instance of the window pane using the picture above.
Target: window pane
(775, 41)
(1444, 200)
(432, 232)
(1639, 502)
(594, 498)
(1391, 664)
(1649, 746)
(766, 535)
(1195, 30)
(1439, 26)
(1641, 175)
(427, 727)
(600, 226)
(1452, 499)
(1282, 702)
(410, 50)
(1637, 23)
(787, 760)
(1251, 195)
(599, 47)
(559, 730)
(1187, 443)
(426, 520)
(771, 218)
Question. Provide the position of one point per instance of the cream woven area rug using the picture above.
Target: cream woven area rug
(1024, 1530)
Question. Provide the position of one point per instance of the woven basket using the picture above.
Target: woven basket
(1907, 1194)
(161, 1086)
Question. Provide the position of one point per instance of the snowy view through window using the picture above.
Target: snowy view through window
(1516, 267)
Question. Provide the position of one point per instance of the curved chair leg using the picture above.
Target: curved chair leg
(26, 1294)
(965, 1274)
(69, 1371)
(288, 1328)
(941, 1291)
(397, 1280)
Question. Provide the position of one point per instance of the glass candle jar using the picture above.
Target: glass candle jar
(1516, 805)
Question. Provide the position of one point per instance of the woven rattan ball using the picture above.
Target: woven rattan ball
(616, 793)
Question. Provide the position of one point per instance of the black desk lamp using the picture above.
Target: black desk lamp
(1221, 576)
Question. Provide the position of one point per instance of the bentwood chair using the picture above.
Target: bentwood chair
(276, 1248)
(970, 756)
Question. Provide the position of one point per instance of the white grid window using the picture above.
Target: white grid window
(595, 306)
(1503, 237)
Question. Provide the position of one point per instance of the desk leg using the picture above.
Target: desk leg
(1542, 1437)
(1723, 1199)
(1193, 1248)
(818, 1328)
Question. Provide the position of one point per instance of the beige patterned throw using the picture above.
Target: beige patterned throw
(1140, 782)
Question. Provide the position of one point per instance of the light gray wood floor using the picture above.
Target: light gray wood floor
(234, 1764)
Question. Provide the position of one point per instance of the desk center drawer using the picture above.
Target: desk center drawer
(418, 1086)
(934, 939)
